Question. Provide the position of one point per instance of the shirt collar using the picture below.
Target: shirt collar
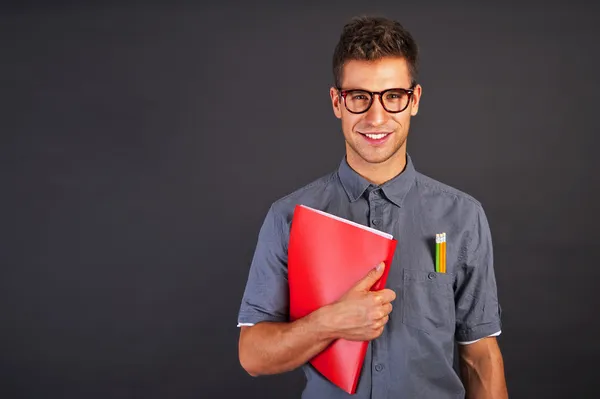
(395, 189)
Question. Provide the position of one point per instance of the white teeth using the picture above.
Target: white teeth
(376, 136)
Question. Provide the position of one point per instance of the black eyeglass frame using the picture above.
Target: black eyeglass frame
(343, 93)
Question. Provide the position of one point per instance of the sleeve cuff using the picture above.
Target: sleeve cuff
(478, 332)
(478, 339)
(251, 318)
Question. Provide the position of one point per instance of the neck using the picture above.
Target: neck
(378, 173)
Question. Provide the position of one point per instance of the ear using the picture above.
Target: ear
(336, 102)
(416, 99)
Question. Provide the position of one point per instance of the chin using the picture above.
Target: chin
(372, 155)
(375, 158)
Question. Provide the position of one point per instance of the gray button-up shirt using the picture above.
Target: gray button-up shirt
(413, 358)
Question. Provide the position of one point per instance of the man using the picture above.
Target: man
(413, 324)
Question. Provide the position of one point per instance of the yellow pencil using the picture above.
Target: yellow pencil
(437, 252)
(443, 263)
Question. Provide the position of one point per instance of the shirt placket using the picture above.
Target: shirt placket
(379, 366)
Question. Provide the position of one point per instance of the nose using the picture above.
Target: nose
(376, 115)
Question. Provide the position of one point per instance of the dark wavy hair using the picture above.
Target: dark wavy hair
(369, 38)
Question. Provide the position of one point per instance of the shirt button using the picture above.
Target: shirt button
(376, 222)
(379, 367)
(431, 275)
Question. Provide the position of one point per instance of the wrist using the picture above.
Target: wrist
(322, 321)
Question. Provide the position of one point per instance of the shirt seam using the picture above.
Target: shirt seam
(449, 191)
(325, 180)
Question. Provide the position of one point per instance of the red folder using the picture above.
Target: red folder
(327, 255)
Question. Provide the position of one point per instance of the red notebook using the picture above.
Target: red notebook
(327, 255)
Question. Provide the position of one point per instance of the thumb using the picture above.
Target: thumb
(371, 278)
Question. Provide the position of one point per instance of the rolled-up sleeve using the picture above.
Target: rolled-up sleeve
(477, 307)
(266, 296)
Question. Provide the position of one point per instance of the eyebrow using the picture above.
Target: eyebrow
(407, 87)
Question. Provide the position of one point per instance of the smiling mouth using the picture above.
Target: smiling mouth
(375, 136)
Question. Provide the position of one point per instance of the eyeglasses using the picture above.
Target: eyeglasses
(392, 100)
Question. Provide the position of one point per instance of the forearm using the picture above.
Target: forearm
(483, 377)
(272, 348)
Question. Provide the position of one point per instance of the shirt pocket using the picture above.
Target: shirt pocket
(427, 300)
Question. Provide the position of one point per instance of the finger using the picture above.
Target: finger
(387, 308)
(381, 322)
(376, 333)
(381, 311)
(377, 298)
(370, 279)
(387, 295)
(383, 296)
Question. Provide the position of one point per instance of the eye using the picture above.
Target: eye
(394, 95)
(359, 97)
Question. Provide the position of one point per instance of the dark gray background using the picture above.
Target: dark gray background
(143, 144)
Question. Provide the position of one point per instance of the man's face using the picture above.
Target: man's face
(375, 136)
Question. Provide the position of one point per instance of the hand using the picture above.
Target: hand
(361, 314)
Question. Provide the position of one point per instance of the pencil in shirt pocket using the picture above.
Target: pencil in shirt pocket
(440, 253)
